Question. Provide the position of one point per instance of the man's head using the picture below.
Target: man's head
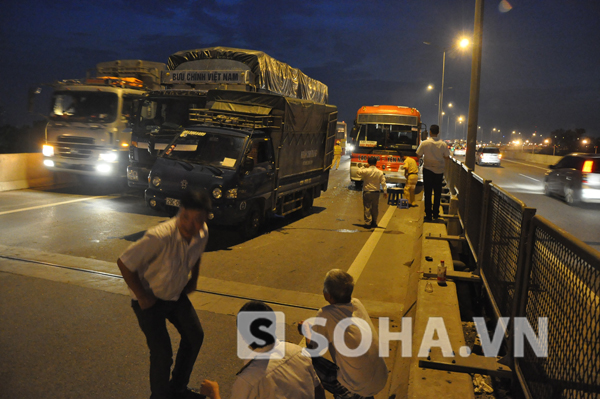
(338, 286)
(403, 155)
(434, 130)
(261, 307)
(372, 161)
(193, 213)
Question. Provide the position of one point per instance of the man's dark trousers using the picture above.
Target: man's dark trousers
(432, 182)
(152, 321)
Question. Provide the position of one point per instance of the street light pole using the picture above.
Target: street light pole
(441, 107)
(475, 84)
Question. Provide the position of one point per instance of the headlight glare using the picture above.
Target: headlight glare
(108, 157)
(48, 150)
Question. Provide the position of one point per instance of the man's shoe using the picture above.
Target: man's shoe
(374, 225)
(428, 219)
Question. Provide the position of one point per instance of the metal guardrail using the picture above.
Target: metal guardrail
(531, 268)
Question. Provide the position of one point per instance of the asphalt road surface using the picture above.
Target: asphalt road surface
(87, 229)
(526, 182)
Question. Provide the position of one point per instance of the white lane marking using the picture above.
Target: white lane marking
(363, 256)
(520, 174)
(526, 164)
(50, 205)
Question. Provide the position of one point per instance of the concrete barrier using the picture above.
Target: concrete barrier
(19, 171)
(535, 158)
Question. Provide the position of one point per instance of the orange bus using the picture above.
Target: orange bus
(384, 131)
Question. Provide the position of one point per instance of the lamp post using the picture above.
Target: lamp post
(462, 43)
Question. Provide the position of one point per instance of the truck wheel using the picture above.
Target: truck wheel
(307, 203)
(252, 224)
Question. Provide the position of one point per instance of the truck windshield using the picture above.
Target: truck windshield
(207, 149)
(84, 106)
(164, 113)
(387, 136)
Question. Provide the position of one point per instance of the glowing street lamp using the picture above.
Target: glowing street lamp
(462, 44)
(430, 87)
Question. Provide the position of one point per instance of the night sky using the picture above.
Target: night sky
(540, 67)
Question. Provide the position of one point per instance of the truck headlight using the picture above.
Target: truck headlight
(349, 148)
(48, 150)
(108, 157)
(217, 193)
(156, 181)
(232, 193)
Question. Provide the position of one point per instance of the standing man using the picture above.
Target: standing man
(411, 172)
(337, 155)
(157, 271)
(372, 178)
(435, 154)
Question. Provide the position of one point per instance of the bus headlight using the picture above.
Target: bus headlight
(48, 150)
(156, 181)
(108, 157)
(217, 193)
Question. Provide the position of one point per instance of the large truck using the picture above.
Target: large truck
(255, 154)
(184, 86)
(89, 127)
(384, 131)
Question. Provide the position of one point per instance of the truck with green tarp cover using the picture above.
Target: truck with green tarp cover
(255, 154)
(189, 76)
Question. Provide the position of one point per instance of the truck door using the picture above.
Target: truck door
(259, 181)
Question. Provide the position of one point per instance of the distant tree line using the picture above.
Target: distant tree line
(563, 142)
(22, 139)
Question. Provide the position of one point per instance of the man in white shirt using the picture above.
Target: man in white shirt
(435, 153)
(351, 377)
(157, 271)
(287, 372)
(372, 178)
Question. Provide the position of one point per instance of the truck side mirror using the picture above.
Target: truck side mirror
(248, 164)
(31, 97)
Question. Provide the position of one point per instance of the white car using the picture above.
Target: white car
(488, 155)
(460, 151)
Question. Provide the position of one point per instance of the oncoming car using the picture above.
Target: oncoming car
(576, 178)
(488, 155)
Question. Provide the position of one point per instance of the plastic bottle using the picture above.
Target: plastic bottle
(441, 274)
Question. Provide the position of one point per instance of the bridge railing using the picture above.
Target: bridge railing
(532, 269)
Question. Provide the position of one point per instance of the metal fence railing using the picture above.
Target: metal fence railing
(530, 268)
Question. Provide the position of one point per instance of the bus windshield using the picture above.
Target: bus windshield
(387, 136)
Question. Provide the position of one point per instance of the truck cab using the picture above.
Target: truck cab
(89, 127)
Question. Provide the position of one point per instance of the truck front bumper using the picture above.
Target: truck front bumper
(228, 213)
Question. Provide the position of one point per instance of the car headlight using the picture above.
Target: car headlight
(217, 193)
(48, 150)
(156, 181)
(108, 157)
(232, 193)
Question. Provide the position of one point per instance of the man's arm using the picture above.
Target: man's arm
(193, 283)
(145, 299)
(210, 389)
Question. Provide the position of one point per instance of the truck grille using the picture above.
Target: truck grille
(75, 140)
(73, 152)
